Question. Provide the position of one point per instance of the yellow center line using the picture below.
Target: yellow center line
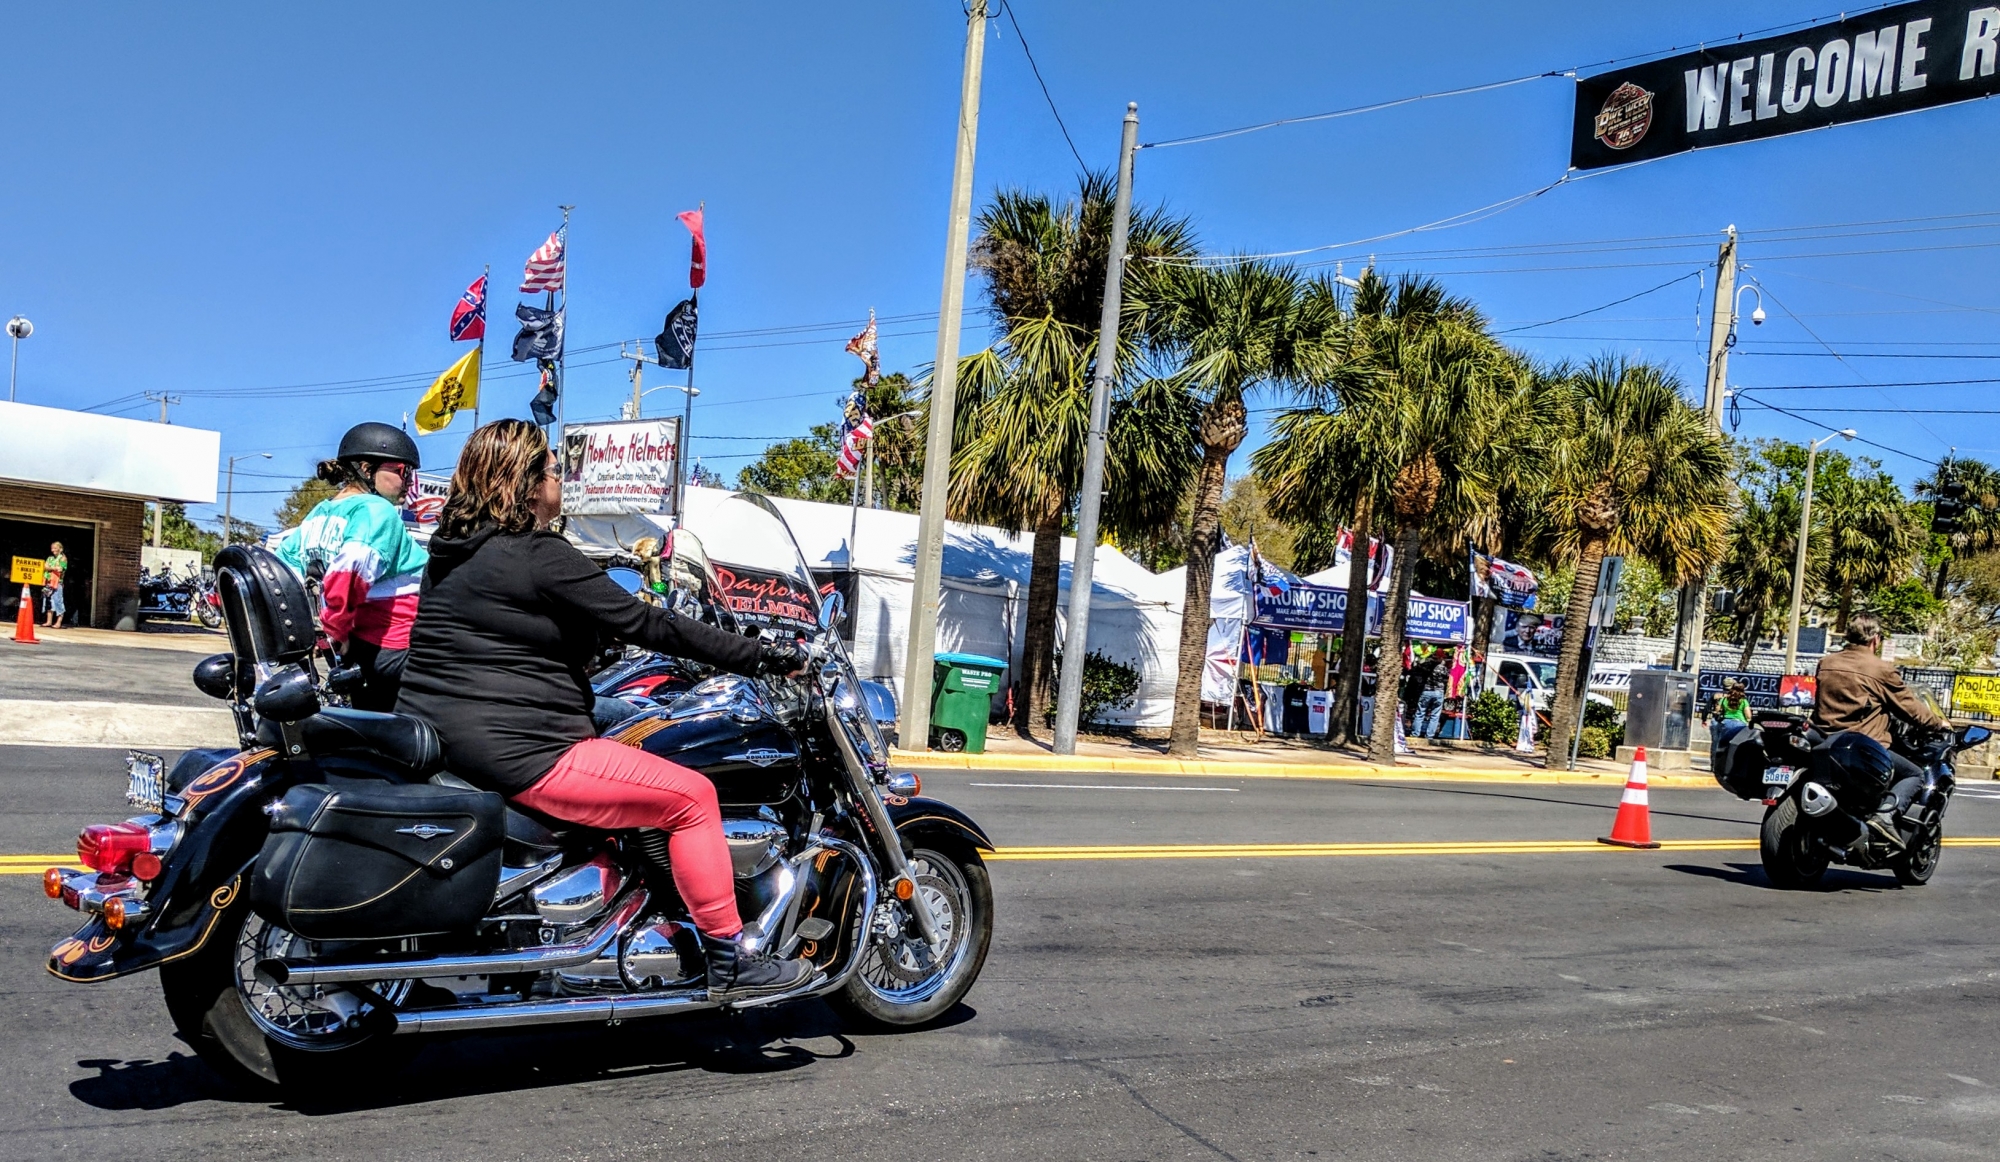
(1326, 850)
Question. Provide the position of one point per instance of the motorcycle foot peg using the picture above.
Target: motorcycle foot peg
(815, 928)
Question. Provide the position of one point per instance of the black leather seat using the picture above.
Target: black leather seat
(407, 744)
(529, 839)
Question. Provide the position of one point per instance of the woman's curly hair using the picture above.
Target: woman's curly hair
(495, 482)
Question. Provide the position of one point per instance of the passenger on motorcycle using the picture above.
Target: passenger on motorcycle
(371, 565)
(512, 616)
(1859, 691)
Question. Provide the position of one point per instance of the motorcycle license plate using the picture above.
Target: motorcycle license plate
(147, 789)
(1777, 776)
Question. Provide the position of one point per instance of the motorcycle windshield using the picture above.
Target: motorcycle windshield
(762, 574)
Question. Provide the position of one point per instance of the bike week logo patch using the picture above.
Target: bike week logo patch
(223, 775)
(1625, 117)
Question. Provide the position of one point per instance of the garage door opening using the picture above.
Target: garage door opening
(31, 538)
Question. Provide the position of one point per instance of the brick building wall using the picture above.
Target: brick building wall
(120, 523)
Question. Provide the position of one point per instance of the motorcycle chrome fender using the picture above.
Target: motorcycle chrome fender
(917, 816)
(220, 808)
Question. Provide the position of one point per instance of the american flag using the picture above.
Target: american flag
(545, 266)
(855, 431)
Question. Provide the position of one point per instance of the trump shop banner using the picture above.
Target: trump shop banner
(1891, 60)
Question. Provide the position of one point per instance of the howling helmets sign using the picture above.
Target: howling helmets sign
(1891, 60)
(612, 468)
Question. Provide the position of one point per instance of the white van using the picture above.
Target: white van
(1534, 676)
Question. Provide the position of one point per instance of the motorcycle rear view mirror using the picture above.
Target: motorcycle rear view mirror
(1974, 735)
(630, 580)
(830, 606)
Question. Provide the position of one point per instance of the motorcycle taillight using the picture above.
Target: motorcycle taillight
(111, 847)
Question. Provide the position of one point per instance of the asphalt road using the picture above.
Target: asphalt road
(56, 671)
(1607, 1004)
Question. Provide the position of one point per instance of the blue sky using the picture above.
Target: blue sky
(241, 196)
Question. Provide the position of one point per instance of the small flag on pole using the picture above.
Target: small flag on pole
(457, 388)
(468, 318)
(698, 260)
(675, 343)
(856, 430)
(543, 406)
(541, 334)
(545, 266)
(863, 347)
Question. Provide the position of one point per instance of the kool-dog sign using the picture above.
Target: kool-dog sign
(1890, 60)
(619, 467)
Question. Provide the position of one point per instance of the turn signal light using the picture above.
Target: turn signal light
(114, 913)
(111, 847)
(52, 883)
(904, 889)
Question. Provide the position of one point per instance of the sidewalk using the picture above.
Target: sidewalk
(1225, 755)
(187, 638)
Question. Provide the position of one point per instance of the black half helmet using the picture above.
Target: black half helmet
(373, 441)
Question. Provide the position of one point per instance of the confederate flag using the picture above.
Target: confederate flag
(468, 318)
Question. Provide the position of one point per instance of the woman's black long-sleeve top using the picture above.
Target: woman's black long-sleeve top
(506, 629)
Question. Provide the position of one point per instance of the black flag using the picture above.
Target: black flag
(675, 342)
(541, 334)
(543, 406)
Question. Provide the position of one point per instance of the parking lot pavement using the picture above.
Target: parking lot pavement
(1540, 1005)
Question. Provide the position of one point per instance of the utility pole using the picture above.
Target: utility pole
(158, 505)
(163, 399)
(638, 363)
(1076, 641)
(229, 497)
(914, 728)
(1721, 329)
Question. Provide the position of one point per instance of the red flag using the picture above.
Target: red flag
(468, 318)
(698, 261)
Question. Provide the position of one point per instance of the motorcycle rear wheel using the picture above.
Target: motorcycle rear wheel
(899, 983)
(205, 998)
(1790, 861)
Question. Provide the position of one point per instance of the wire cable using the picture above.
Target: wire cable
(1745, 395)
(1356, 110)
(1037, 70)
(1607, 306)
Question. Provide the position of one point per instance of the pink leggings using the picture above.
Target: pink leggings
(606, 784)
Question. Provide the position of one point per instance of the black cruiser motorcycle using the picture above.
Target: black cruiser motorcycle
(1827, 800)
(315, 896)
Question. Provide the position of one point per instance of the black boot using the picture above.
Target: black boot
(735, 975)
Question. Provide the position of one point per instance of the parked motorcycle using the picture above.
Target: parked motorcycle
(329, 888)
(188, 596)
(1828, 799)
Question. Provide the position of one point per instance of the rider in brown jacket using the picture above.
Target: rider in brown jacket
(1859, 691)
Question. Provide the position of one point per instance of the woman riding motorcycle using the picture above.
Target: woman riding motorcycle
(368, 590)
(511, 618)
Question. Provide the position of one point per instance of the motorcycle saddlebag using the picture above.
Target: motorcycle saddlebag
(1737, 759)
(379, 862)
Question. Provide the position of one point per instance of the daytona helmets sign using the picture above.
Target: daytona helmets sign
(1891, 60)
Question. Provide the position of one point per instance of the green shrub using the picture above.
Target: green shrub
(1107, 685)
(1493, 718)
(1606, 718)
(1594, 742)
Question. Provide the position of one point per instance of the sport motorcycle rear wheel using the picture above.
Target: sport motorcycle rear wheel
(257, 1034)
(901, 982)
(1791, 859)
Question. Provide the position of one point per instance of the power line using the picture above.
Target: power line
(1607, 306)
(1036, 69)
(1377, 106)
(1741, 394)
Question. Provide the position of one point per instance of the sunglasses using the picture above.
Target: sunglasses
(397, 466)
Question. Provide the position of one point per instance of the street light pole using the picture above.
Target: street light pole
(1076, 641)
(913, 730)
(18, 328)
(229, 498)
(1799, 558)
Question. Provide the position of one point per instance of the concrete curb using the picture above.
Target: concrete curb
(1089, 764)
(113, 724)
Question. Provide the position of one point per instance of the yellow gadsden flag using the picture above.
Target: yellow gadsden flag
(455, 389)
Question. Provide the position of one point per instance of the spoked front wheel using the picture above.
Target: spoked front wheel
(902, 981)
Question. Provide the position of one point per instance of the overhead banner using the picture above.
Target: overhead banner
(1891, 60)
(625, 466)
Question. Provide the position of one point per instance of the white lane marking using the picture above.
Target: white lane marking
(1906, 1099)
(1793, 1024)
(1101, 787)
(1964, 1080)
(1467, 947)
(1572, 979)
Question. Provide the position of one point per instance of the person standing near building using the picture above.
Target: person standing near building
(54, 569)
(369, 566)
(1732, 704)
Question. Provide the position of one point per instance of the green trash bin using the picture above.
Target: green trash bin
(962, 689)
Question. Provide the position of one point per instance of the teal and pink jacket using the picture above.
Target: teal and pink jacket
(373, 568)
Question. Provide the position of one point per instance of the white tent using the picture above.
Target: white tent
(1134, 614)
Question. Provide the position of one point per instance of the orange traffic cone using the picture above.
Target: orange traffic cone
(1634, 825)
(24, 621)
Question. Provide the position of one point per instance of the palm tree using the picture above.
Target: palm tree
(1872, 537)
(1631, 469)
(1763, 542)
(1023, 403)
(1227, 330)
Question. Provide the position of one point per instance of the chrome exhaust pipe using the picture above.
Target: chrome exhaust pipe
(303, 972)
